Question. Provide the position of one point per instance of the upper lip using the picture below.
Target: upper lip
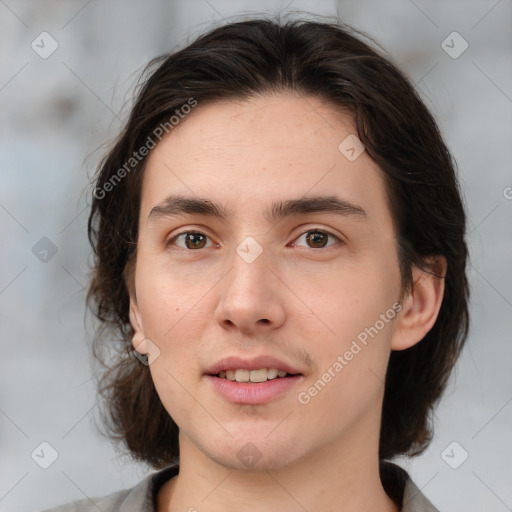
(256, 363)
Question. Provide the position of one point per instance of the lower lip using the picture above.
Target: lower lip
(253, 393)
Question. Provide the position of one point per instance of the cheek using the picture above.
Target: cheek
(355, 315)
(348, 297)
(351, 366)
(167, 298)
(176, 314)
(173, 319)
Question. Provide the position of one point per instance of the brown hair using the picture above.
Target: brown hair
(329, 61)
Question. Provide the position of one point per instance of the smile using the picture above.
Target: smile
(260, 375)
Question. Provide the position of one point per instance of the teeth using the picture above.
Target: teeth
(272, 373)
(242, 375)
(260, 375)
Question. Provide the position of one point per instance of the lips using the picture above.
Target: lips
(248, 386)
(248, 393)
(235, 363)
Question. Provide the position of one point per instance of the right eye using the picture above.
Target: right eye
(192, 240)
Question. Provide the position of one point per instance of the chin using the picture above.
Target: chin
(246, 455)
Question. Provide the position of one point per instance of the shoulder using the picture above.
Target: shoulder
(104, 503)
(415, 500)
(399, 486)
(139, 498)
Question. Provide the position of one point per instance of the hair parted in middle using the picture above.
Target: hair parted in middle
(330, 61)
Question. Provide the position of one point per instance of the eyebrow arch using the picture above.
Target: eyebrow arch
(176, 205)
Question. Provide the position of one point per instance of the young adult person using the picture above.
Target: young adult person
(279, 241)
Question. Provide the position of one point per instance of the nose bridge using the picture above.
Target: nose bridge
(250, 267)
(248, 298)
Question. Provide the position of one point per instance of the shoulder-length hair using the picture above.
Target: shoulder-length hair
(331, 62)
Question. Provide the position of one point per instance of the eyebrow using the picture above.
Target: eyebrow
(176, 205)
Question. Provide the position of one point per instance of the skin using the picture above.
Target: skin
(199, 305)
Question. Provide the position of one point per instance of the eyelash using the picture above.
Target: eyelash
(314, 230)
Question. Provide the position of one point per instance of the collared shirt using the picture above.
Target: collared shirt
(143, 497)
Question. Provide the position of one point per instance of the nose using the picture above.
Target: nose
(251, 298)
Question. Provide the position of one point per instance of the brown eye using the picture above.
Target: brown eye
(191, 239)
(317, 239)
(195, 240)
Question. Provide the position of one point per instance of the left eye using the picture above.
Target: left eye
(317, 238)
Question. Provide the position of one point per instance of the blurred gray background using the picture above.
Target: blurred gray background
(57, 109)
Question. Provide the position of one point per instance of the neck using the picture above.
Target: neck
(341, 474)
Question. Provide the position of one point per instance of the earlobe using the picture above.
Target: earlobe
(420, 307)
(138, 340)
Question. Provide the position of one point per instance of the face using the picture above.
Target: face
(314, 285)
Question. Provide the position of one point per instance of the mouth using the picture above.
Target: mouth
(254, 376)
(255, 381)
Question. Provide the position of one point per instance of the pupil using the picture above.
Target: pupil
(316, 238)
(194, 241)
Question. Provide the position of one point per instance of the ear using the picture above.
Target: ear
(421, 306)
(139, 339)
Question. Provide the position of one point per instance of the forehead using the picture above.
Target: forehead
(250, 154)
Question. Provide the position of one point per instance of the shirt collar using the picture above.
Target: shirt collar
(395, 480)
